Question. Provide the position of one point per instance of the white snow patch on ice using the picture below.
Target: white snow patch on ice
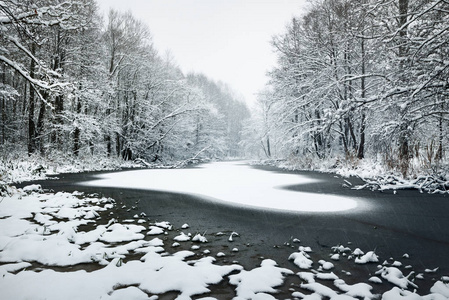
(231, 182)
(259, 280)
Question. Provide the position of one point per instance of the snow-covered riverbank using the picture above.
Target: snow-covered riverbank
(44, 235)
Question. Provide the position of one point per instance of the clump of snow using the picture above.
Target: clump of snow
(259, 280)
(326, 276)
(335, 256)
(359, 290)
(341, 249)
(325, 265)
(199, 238)
(182, 237)
(304, 249)
(375, 279)
(395, 276)
(397, 294)
(185, 226)
(154, 230)
(396, 264)
(164, 224)
(370, 256)
(301, 259)
(32, 188)
(319, 290)
(431, 270)
(358, 252)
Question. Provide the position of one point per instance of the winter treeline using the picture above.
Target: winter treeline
(360, 79)
(71, 83)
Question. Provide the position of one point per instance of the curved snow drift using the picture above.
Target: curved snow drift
(232, 182)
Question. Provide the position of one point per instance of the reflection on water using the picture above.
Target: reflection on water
(232, 182)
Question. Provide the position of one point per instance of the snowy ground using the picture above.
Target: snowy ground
(19, 167)
(68, 246)
(377, 176)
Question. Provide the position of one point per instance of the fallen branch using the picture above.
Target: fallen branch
(189, 160)
(429, 184)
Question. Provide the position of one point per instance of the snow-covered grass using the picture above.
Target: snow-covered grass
(43, 235)
(19, 167)
(377, 174)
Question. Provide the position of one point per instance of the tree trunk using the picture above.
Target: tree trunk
(77, 131)
(268, 147)
(59, 107)
(439, 155)
(403, 17)
(31, 107)
(59, 99)
(108, 145)
(404, 154)
(3, 110)
(3, 121)
(361, 148)
(40, 125)
(118, 144)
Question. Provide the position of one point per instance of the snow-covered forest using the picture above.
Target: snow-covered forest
(359, 80)
(356, 82)
(74, 86)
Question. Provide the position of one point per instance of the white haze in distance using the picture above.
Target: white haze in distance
(227, 40)
(232, 182)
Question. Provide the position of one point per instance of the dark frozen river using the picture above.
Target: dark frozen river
(269, 207)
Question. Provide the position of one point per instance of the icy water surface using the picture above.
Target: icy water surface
(232, 182)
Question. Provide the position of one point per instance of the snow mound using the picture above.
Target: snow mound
(259, 280)
(301, 259)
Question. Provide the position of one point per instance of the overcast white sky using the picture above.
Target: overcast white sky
(227, 40)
